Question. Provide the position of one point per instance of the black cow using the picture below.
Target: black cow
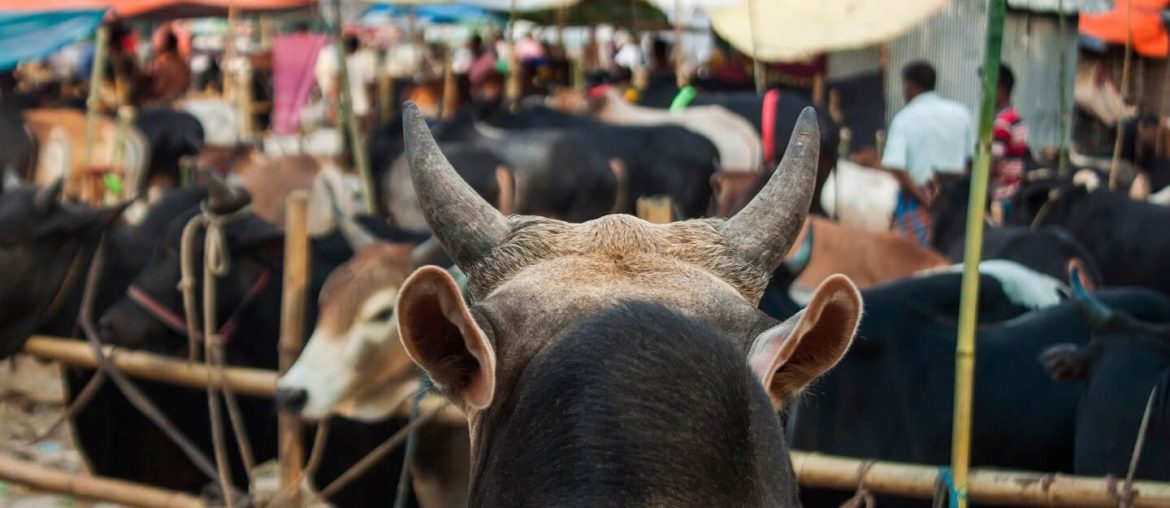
(557, 173)
(1125, 237)
(249, 297)
(171, 135)
(658, 160)
(1126, 359)
(667, 405)
(789, 104)
(46, 251)
(1048, 250)
(891, 397)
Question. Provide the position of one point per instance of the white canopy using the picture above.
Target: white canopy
(787, 30)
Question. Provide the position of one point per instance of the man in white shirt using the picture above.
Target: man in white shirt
(362, 67)
(929, 136)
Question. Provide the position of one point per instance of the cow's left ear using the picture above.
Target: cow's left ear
(440, 335)
(786, 357)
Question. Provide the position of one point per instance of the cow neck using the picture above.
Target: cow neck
(59, 314)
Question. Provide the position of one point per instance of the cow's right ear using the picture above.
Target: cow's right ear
(439, 334)
(786, 357)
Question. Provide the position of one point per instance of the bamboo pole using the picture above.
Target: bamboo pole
(1115, 163)
(758, 70)
(680, 77)
(356, 146)
(245, 381)
(96, 73)
(992, 487)
(450, 90)
(965, 348)
(115, 179)
(92, 487)
(292, 332)
(1062, 150)
(656, 209)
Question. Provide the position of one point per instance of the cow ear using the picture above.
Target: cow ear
(439, 334)
(786, 357)
(1066, 363)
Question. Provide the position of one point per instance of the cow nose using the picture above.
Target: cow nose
(291, 399)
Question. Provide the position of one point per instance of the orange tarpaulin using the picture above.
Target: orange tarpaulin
(157, 8)
(1144, 19)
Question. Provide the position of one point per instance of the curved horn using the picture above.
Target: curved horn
(1095, 309)
(355, 235)
(765, 229)
(46, 197)
(466, 225)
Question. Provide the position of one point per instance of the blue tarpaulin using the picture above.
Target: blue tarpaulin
(437, 13)
(34, 35)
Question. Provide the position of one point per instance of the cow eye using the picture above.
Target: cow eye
(384, 315)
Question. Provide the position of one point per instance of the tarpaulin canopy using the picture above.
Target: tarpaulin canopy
(1143, 17)
(31, 35)
(787, 30)
(491, 5)
(159, 9)
(436, 13)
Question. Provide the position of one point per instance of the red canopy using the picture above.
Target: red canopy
(1139, 17)
(165, 9)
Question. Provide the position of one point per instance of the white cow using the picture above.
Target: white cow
(867, 196)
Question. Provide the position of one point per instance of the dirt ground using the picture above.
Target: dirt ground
(31, 401)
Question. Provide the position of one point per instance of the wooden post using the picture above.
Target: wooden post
(92, 487)
(818, 89)
(846, 144)
(680, 77)
(656, 209)
(969, 299)
(1115, 164)
(356, 146)
(96, 73)
(758, 70)
(514, 87)
(229, 52)
(292, 332)
(244, 381)
(125, 123)
(450, 90)
(1062, 150)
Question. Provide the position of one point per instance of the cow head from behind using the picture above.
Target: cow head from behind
(531, 279)
(354, 364)
(44, 247)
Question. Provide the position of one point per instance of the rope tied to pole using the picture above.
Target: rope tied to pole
(424, 386)
(216, 264)
(863, 497)
(1127, 493)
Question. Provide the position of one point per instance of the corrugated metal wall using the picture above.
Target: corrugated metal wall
(953, 42)
(1032, 47)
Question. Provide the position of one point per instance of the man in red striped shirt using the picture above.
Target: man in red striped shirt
(1009, 148)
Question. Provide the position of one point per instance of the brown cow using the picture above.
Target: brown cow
(824, 248)
(354, 366)
(533, 283)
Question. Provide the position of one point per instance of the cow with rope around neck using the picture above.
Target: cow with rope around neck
(672, 308)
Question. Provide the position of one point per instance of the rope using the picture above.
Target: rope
(131, 391)
(946, 481)
(377, 454)
(216, 264)
(1127, 494)
(424, 385)
(863, 497)
(81, 400)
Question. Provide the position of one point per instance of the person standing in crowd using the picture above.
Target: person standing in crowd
(481, 66)
(629, 55)
(1009, 148)
(929, 136)
(362, 67)
(170, 76)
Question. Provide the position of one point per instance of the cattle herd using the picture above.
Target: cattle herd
(599, 359)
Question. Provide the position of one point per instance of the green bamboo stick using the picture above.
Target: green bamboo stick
(965, 348)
